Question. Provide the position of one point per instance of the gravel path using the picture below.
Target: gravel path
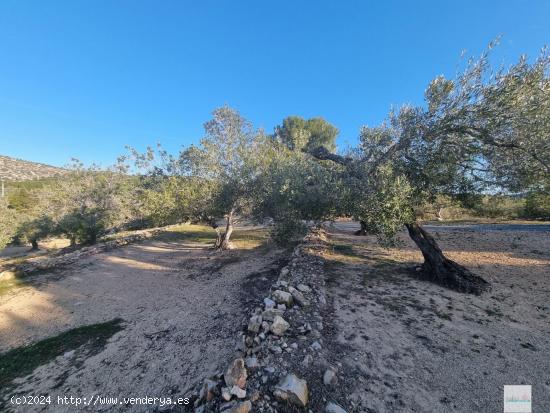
(182, 307)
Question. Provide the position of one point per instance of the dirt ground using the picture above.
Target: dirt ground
(411, 346)
(179, 302)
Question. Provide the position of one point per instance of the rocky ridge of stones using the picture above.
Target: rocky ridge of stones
(280, 347)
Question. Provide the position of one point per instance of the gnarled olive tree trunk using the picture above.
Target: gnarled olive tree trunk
(223, 239)
(441, 269)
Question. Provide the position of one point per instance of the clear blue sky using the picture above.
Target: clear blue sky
(85, 78)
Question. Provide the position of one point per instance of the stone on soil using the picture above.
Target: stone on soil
(279, 326)
(236, 374)
(292, 389)
(282, 297)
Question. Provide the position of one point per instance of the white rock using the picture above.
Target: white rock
(292, 389)
(279, 326)
(226, 393)
(303, 288)
(252, 362)
(237, 391)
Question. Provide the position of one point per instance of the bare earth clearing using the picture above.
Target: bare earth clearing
(182, 306)
(413, 346)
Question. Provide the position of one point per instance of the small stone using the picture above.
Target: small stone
(333, 408)
(255, 323)
(236, 374)
(284, 272)
(299, 297)
(307, 360)
(255, 396)
(226, 393)
(330, 378)
(316, 346)
(270, 369)
(269, 303)
(282, 297)
(276, 349)
(237, 391)
(294, 346)
(281, 307)
(303, 288)
(243, 407)
(279, 326)
(208, 390)
(270, 315)
(292, 389)
(262, 335)
(252, 363)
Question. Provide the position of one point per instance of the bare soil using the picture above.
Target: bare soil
(411, 346)
(182, 306)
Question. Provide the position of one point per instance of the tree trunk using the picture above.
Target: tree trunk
(223, 240)
(442, 270)
(363, 230)
(438, 214)
(72, 240)
(34, 245)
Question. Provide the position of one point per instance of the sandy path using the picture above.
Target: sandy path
(179, 303)
(410, 345)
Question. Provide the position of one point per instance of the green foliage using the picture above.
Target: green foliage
(383, 200)
(287, 229)
(7, 223)
(537, 205)
(222, 166)
(299, 134)
(86, 202)
(33, 229)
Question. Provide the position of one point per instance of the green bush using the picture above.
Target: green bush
(287, 230)
(537, 206)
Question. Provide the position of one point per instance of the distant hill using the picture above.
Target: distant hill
(12, 169)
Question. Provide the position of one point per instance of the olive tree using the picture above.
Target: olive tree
(299, 134)
(223, 166)
(483, 130)
(86, 202)
(291, 188)
(35, 228)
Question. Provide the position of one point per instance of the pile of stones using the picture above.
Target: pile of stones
(279, 345)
